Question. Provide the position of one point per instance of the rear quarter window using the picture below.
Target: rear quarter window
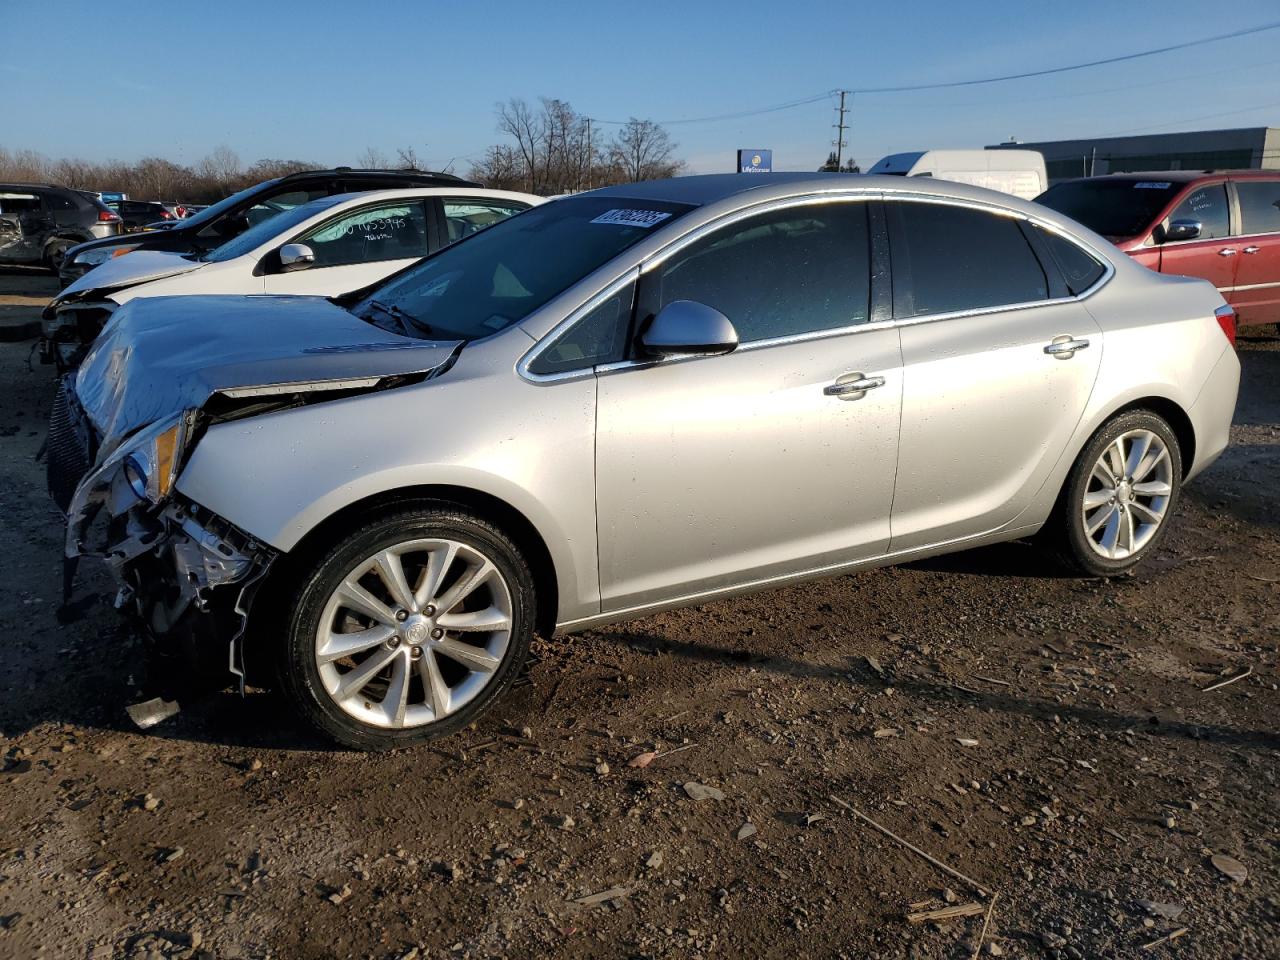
(1080, 269)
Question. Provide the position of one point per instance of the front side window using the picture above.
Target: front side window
(505, 273)
(19, 203)
(1259, 206)
(464, 216)
(389, 231)
(792, 271)
(948, 259)
(599, 337)
(1208, 207)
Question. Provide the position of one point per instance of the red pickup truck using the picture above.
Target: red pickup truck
(1222, 226)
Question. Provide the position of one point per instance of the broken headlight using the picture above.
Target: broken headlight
(96, 255)
(151, 462)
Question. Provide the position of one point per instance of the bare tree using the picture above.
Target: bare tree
(502, 168)
(407, 159)
(642, 150)
(372, 159)
(222, 166)
(518, 121)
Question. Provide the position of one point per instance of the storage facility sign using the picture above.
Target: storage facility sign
(755, 161)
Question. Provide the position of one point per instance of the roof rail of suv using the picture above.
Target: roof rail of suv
(446, 178)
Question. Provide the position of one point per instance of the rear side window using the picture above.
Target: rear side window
(1259, 206)
(57, 201)
(464, 216)
(793, 271)
(949, 258)
(1079, 268)
(1208, 207)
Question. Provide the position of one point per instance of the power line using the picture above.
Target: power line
(948, 84)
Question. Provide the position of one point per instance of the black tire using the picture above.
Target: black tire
(299, 674)
(56, 251)
(1065, 534)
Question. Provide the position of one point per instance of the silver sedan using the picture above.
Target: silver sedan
(638, 398)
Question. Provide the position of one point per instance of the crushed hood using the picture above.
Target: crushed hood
(159, 356)
(128, 270)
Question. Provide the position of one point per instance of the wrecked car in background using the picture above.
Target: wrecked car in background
(327, 247)
(633, 399)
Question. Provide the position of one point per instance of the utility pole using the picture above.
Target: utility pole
(589, 157)
(840, 127)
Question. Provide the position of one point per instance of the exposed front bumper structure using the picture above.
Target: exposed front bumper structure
(186, 574)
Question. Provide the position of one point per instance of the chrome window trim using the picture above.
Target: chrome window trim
(522, 366)
(768, 206)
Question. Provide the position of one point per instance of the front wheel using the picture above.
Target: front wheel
(408, 628)
(1120, 495)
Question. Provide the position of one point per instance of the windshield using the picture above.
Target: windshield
(209, 214)
(1113, 208)
(265, 230)
(499, 276)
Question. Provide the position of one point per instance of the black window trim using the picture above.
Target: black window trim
(881, 279)
(1017, 215)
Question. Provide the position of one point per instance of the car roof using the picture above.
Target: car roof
(1183, 176)
(378, 174)
(412, 193)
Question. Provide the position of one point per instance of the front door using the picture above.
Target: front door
(1256, 293)
(986, 411)
(736, 469)
(1211, 256)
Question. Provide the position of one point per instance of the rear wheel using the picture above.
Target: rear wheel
(408, 628)
(1120, 495)
(56, 251)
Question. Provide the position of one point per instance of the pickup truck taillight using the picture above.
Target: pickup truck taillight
(106, 216)
(1226, 317)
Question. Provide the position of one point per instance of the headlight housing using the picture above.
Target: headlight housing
(96, 255)
(150, 459)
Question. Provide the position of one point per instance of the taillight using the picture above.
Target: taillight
(166, 215)
(1226, 317)
(106, 216)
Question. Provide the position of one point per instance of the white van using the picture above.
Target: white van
(1019, 172)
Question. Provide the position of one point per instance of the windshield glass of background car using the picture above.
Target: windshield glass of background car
(209, 214)
(499, 276)
(1113, 208)
(260, 233)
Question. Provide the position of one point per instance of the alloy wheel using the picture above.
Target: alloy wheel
(414, 633)
(1127, 496)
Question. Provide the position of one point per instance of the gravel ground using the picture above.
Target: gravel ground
(1047, 737)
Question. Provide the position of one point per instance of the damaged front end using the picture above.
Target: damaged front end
(187, 575)
(123, 426)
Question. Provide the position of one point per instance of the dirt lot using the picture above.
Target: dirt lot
(1047, 737)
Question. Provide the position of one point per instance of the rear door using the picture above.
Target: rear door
(353, 249)
(1256, 293)
(25, 224)
(986, 410)
(1213, 254)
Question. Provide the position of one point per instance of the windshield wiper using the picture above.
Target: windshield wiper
(402, 317)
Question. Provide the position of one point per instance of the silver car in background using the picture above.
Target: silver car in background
(632, 399)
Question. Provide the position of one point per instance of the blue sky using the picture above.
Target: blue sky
(322, 81)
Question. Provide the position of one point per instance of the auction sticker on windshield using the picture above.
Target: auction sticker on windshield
(632, 218)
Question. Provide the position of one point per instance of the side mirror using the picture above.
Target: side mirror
(1182, 230)
(686, 328)
(296, 256)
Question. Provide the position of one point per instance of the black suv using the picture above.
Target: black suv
(40, 222)
(229, 218)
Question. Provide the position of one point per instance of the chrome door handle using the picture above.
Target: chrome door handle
(852, 386)
(1227, 252)
(1252, 249)
(1064, 347)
